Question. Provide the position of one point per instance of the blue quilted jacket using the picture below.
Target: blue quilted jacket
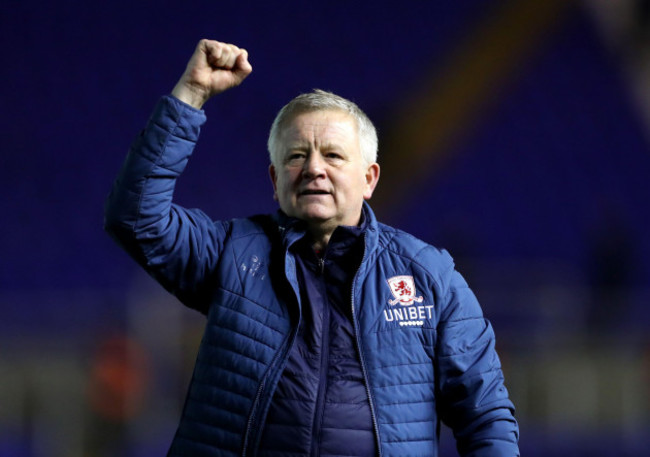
(427, 353)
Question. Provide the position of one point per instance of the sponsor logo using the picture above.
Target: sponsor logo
(403, 290)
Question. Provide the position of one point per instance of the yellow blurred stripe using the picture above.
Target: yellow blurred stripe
(426, 127)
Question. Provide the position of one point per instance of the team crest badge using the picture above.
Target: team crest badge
(403, 289)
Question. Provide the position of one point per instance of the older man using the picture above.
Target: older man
(327, 332)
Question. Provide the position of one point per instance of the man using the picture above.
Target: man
(327, 332)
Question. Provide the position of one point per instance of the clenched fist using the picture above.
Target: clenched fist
(213, 68)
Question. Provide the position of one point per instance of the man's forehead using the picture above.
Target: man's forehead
(332, 121)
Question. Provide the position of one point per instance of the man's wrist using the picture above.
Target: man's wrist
(188, 96)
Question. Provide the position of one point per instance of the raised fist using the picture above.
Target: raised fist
(213, 68)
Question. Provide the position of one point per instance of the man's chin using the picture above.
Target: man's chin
(314, 213)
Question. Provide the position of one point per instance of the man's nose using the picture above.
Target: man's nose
(314, 166)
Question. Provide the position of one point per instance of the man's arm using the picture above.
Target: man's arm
(177, 246)
(472, 398)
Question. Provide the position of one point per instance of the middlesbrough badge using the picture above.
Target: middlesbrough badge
(403, 289)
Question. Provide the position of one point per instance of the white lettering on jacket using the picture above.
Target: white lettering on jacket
(410, 315)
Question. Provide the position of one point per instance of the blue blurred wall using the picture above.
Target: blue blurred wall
(556, 159)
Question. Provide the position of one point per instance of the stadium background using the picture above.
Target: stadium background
(513, 133)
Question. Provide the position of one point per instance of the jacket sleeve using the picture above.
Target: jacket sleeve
(471, 395)
(177, 246)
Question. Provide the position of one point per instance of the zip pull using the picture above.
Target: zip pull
(320, 258)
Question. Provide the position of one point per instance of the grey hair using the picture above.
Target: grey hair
(320, 100)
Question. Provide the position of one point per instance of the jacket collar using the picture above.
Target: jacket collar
(292, 229)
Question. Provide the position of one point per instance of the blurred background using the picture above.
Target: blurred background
(514, 133)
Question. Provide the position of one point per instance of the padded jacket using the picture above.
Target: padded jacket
(427, 353)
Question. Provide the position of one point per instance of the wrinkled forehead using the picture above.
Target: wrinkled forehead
(325, 124)
(289, 120)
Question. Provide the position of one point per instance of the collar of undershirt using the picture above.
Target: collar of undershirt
(343, 238)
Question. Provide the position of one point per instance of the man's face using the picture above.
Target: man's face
(320, 176)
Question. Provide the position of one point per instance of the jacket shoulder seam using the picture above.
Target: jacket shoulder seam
(412, 259)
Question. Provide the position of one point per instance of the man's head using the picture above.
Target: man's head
(320, 100)
(323, 151)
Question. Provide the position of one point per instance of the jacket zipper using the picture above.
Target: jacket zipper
(282, 355)
(324, 369)
(361, 359)
(252, 420)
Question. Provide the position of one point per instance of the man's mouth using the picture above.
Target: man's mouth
(313, 192)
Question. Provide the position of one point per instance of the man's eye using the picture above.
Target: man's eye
(295, 156)
(334, 155)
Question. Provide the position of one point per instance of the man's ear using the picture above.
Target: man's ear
(372, 178)
(274, 178)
